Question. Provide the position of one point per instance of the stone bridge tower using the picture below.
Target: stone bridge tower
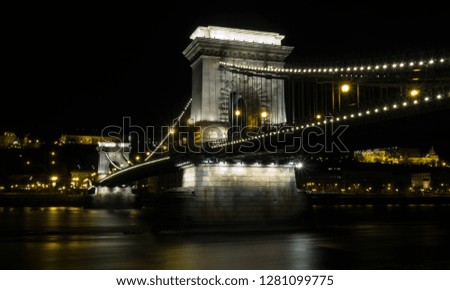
(222, 97)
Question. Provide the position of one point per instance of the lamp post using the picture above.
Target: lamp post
(345, 88)
(237, 113)
(264, 115)
(414, 93)
(53, 179)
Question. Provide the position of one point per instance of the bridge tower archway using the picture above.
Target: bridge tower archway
(215, 87)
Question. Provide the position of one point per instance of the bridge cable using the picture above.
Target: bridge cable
(110, 161)
(168, 133)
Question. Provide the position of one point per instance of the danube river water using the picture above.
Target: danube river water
(344, 237)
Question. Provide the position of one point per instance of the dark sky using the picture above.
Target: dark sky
(66, 64)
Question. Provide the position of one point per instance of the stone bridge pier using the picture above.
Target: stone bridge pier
(112, 157)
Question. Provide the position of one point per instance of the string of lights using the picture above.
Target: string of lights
(339, 118)
(381, 67)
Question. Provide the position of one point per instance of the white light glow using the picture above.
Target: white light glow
(345, 88)
(233, 34)
(414, 93)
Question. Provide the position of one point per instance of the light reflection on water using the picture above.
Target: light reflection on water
(349, 237)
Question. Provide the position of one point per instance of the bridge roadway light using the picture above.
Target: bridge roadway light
(414, 93)
(318, 116)
(345, 88)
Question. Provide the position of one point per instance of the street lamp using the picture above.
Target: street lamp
(264, 115)
(345, 88)
(54, 179)
(237, 113)
(414, 93)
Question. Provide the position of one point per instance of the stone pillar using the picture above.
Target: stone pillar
(212, 86)
(117, 196)
(238, 195)
(108, 152)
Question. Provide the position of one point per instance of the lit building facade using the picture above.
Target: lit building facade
(397, 155)
(9, 140)
(84, 139)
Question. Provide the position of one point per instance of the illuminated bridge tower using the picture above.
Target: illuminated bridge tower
(230, 191)
(222, 98)
(112, 157)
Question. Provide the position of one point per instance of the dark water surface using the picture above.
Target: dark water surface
(345, 237)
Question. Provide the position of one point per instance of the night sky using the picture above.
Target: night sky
(86, 56)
